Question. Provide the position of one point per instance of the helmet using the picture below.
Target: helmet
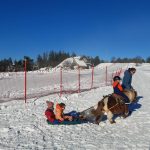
(116, 78)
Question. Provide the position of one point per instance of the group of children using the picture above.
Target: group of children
(126, 83)
(57, 117)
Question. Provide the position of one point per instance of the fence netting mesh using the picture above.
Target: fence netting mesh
(12, 84)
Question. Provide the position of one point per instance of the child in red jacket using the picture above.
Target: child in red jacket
(49, 113)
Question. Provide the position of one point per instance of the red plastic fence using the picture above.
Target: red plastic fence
(78, 79)
(25, 80)
(61, 82)
(92, 76)
(25, 85)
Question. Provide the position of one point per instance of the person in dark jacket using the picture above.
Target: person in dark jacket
(127, 79)
(118, 89)
(49, 113)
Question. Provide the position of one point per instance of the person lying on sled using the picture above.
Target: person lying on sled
(49, 113)
(118, 89)
(59, 113)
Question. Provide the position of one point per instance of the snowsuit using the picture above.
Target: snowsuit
(119, 90)
(51, 116)
(127, 79)
(59, 114)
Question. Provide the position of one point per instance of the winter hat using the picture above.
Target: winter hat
(62, 104)
(49, 103)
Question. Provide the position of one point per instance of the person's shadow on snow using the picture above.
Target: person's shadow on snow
(138, 98)
(136, 105)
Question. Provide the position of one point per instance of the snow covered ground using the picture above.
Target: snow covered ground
(23, 126)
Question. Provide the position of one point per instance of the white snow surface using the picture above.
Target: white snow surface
(23, 126)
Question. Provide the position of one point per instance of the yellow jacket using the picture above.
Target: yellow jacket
(59, 112)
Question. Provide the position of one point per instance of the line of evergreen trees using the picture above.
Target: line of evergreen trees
(47, 59)
(53, 58)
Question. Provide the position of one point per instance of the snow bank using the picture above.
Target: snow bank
(23, 126)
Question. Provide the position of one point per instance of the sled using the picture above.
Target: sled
(76, 119)
(75, 122)
(85, 116)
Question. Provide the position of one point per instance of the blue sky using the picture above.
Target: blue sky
(106, 28)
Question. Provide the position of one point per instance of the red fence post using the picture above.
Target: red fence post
(116, 73)
(120, 71)
(112, 78)
(92, 76)
(25, 80)
(78, 79)
(106, 76)
(54, 79)
(60, 81)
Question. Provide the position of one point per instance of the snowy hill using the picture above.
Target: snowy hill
(72, 63)
(23, 126)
